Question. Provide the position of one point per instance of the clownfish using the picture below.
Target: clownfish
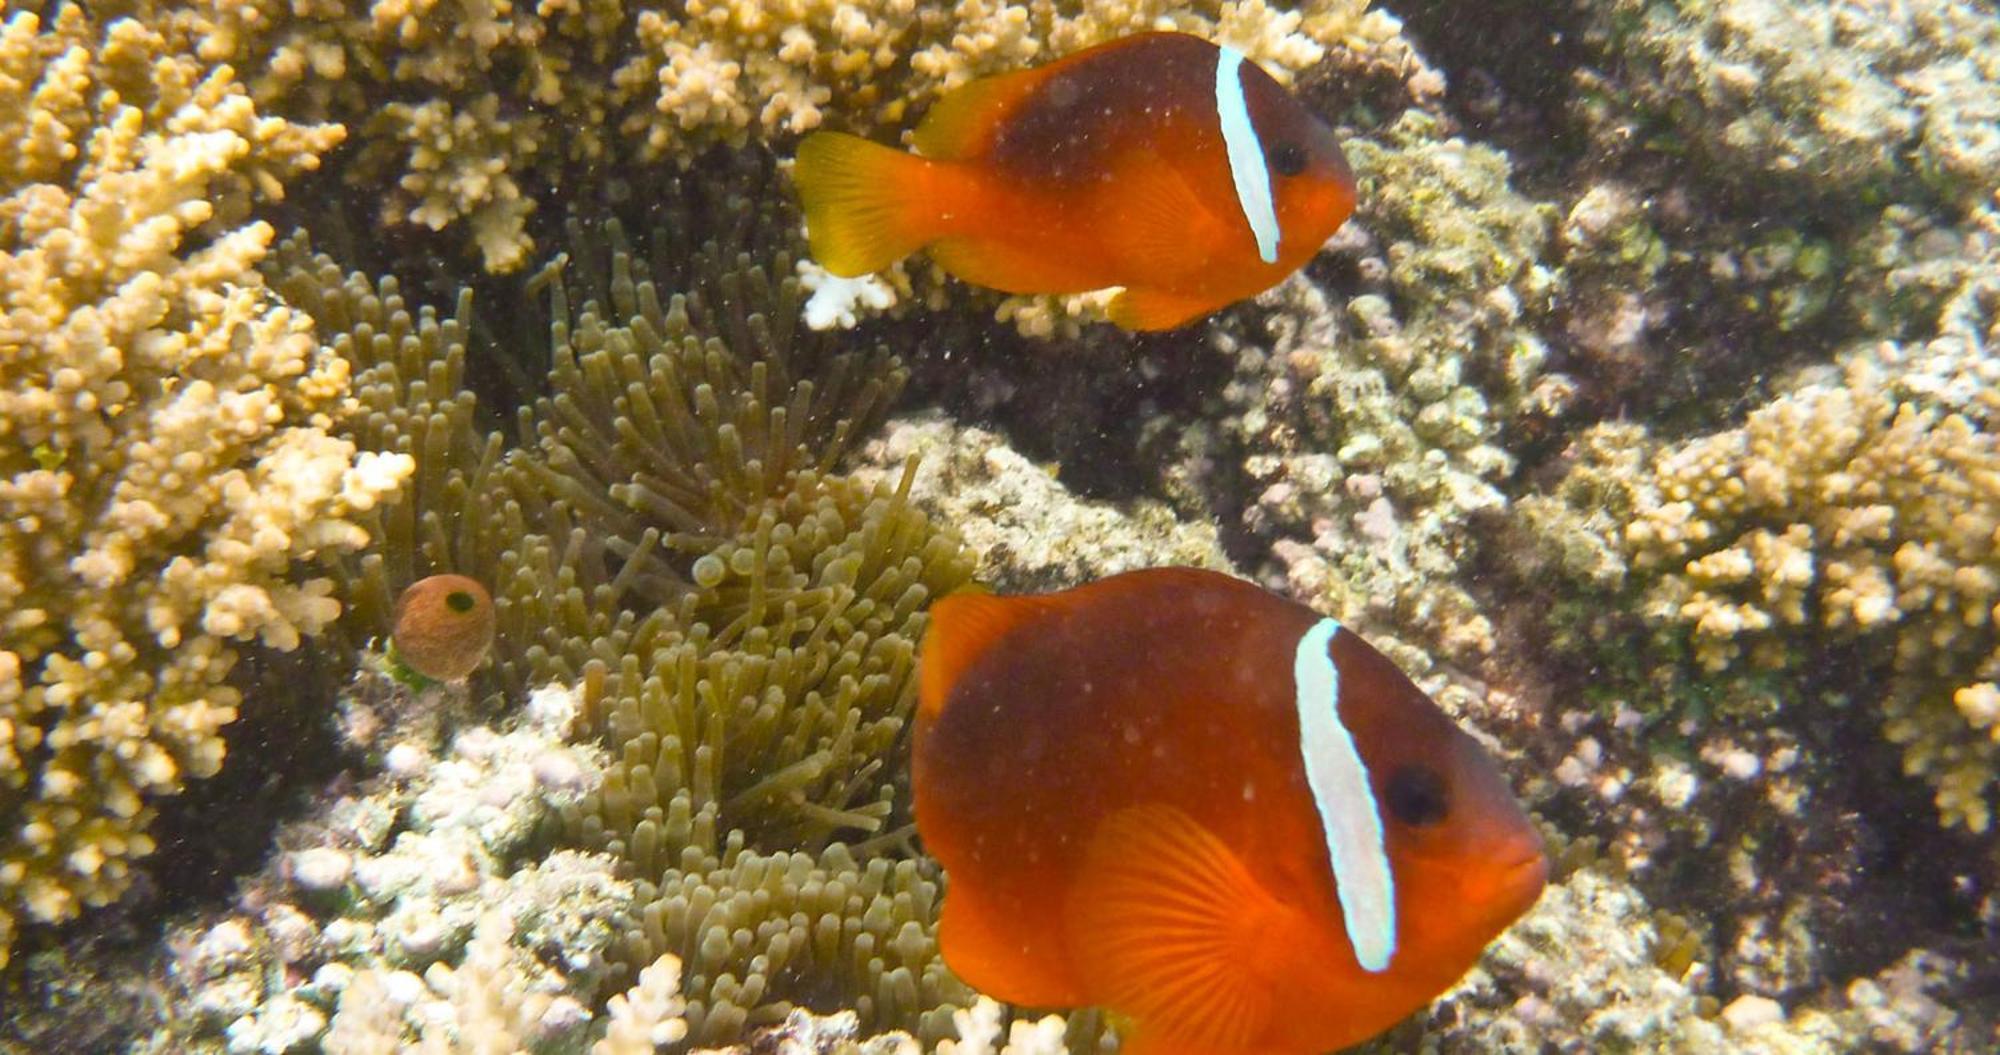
(1158, 162)
(1226, 819)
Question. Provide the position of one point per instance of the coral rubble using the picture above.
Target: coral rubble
(420, 903)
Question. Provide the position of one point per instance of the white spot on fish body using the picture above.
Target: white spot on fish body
(1349, 816)
(1246, 154)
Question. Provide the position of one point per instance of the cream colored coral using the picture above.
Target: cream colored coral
(648, 1015)
(979, 1033)
(738, 66)
(1846, 513)
(498, 999)
(164, 459)
(455, 165)
(490, 99)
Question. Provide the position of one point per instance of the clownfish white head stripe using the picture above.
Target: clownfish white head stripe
(1346, 801)
(1246, 154)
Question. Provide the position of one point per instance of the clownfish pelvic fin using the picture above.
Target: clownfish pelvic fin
(990, 953)
(1168, 925)
(1156, 309)
(867, 205)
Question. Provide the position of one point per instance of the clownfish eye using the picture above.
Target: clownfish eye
(1288, 159)
(1416, 796)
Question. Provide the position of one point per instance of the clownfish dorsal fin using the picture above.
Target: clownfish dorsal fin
(963, 122)
(1168, 925)
(962, 627)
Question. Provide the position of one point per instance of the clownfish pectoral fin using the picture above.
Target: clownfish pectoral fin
(864, 202)
(962, 627)
(1167, 926)
(990, 953)
(1162, 230)
(1155, 309)
(1160, 225)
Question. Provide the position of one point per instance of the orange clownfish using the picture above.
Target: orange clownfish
(1158, 162)
(1208, 809)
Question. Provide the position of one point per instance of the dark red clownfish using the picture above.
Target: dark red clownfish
(1157, 162)
(1207, 808)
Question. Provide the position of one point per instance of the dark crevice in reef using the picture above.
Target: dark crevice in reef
(1082, 405)
(1508, 79)
(1520, 78)
(78, 990)
(281, 751)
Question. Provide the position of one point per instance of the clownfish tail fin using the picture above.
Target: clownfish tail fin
(863, 202)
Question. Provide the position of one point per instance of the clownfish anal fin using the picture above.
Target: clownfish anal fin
(999, 957)
(962, 627)
(1168, 926)
(997, 264)
(1144, 1042)
(1156, 309)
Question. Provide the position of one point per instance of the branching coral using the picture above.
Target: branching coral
(1850, 524)
(466, 118)
(1844, 513)
(165, 453)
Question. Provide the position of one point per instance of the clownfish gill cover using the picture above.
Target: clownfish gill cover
(1058, 528)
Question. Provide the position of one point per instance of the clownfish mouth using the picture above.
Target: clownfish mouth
(1521, 882)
